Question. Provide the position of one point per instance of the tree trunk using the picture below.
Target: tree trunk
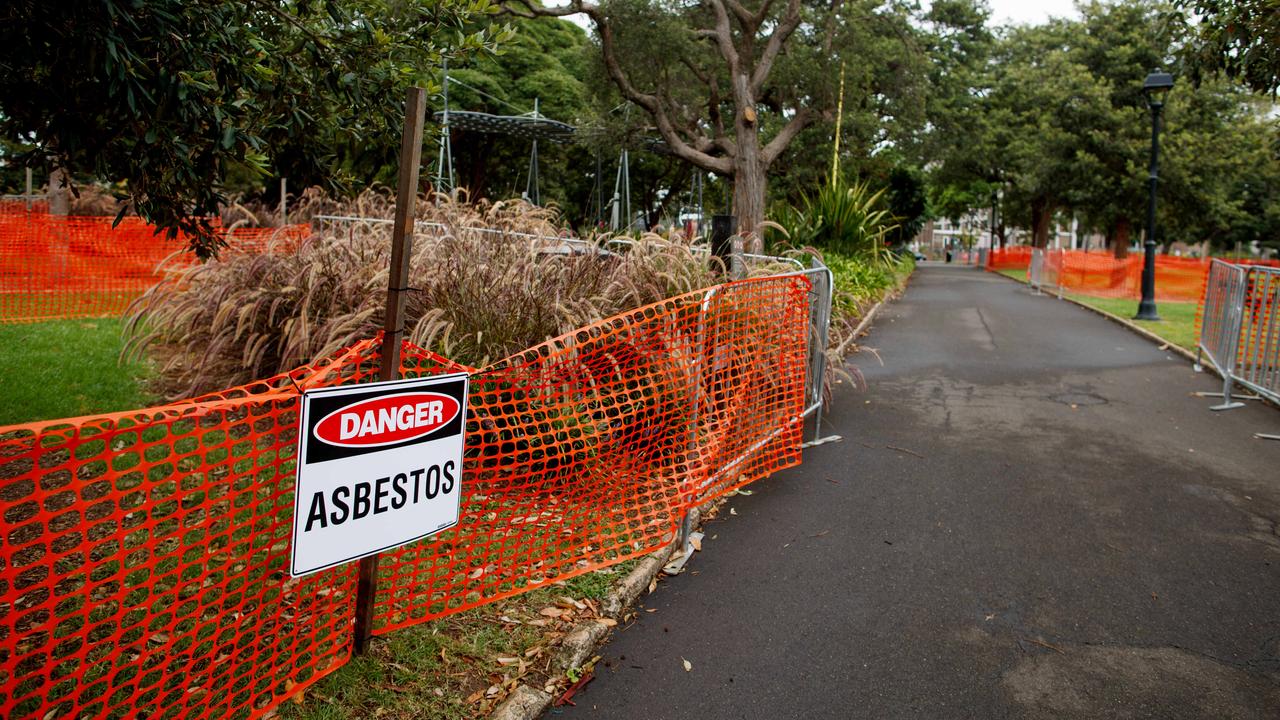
(748, 196)
(59, 193)
(749, 179)
(1120, 239)
(1041, 218)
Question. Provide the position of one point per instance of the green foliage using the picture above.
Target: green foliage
(543, 61)
(847, 219)
(1058, 123)
(168, 95)
(1240, 37)
(859, 283)
(887, 87)
(907, 203)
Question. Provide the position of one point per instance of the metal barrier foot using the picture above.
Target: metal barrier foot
(676, 565)
(1264, 436)
(1227, 406)
(822, 441)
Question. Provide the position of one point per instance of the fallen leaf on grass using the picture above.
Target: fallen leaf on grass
(551, 612)
(607, 622)
(507, 660)
(688, 666)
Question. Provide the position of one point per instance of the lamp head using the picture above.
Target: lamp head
(1156, 85)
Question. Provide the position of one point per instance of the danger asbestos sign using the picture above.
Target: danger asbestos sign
(379, 465)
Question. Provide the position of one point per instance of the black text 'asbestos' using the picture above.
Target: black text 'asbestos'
(366, 497)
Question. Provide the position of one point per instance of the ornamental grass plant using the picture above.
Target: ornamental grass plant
(481, 288)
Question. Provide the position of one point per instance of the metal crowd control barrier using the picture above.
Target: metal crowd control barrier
(1240, 329)
(1035, 271)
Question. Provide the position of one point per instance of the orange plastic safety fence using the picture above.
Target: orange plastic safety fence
(54, 267)
(11, 206)
(587, 450)
(1009, 258)
(144, 555)
(1101, 274)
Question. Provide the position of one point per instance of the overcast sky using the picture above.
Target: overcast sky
(1006, 12)
(1003, 12)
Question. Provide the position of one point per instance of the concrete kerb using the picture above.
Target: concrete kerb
(1175, 349)
(576, 647)
(580, 643)
(1182, 352)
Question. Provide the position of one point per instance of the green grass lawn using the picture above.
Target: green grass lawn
(1177, 322)
(66, 368)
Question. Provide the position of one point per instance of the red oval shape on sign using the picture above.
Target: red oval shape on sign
(387, 420)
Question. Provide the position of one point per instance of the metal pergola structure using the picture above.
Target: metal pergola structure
(533, 126)
(536, 127)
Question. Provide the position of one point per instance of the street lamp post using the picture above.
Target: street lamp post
(1155, 86)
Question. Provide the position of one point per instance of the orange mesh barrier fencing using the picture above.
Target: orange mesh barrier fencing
(145, 554)
(1100, 274)
(18, 205)
(1009, 258)
(54, 267)
(587, 450)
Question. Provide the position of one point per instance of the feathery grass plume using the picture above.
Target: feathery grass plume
(488, 280)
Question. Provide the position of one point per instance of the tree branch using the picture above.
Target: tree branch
(787, 25)
(801, 120)
(724, 36)
(745, 17)
(650, 102)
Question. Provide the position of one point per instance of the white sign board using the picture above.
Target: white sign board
(379, 466)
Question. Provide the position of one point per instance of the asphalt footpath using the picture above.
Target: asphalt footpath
(1030, 516)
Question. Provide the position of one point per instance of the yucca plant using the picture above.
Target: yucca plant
(847, 219)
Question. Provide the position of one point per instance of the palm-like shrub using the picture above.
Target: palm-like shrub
(845, 219)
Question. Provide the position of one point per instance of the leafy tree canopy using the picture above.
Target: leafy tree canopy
(167, 95)
(1239, 37)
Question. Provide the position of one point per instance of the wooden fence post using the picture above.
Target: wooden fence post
(415, 108)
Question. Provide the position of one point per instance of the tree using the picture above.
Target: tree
(1219, 168)
(1240, 38)
(1043, 106)
(704, 72)
(167, 95)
